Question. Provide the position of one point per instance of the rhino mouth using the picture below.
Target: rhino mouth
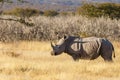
(53, 53)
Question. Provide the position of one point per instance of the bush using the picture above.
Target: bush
(111, 10)
(50, 28)
(67, 13)
(64, 13)
(21, 12)
(50, 13)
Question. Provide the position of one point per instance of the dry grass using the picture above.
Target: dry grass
(35, 63)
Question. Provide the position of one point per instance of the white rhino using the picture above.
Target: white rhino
(84, 48)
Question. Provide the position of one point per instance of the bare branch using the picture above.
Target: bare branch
(22, 21)
(9, 19)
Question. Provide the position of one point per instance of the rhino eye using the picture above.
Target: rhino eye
(57, 46)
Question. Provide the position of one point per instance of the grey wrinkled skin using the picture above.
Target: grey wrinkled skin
(84, 48)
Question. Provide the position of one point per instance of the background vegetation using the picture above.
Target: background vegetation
(101, 20)
(47, 28)
(111, 10)
(23, 12)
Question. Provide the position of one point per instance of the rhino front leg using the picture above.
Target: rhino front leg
(76, 57)
(107, 56)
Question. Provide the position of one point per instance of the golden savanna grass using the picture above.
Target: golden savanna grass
(32, 61)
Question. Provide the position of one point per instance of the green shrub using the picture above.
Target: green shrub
(111, 10)
(50, 13)
(64, 13)
(21, 12)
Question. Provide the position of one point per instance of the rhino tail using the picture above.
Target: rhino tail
(113, 51)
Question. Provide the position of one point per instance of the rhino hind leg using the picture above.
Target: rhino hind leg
(107, 56)
(106, 51)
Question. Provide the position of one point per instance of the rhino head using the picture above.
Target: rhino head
(59, 47)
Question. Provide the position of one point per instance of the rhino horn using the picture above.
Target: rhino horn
(52, 44)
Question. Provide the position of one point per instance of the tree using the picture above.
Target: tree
(111, 10)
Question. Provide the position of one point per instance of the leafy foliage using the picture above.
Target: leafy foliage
(21, 12)
(50, 13)
(111, 10)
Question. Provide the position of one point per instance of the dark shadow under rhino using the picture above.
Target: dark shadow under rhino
(84, 48)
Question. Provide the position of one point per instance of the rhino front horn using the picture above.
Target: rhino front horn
(52, 45)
